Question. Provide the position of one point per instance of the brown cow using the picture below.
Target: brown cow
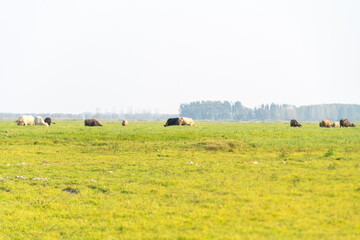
(325, 123)
(92, 123)
(125, 123)
(294, 123)
(179, 121)
(346, 123)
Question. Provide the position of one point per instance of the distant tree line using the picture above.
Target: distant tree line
(224, 111)
(6, 116)
(235, 111)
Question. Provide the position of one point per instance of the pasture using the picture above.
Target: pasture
(210, 181)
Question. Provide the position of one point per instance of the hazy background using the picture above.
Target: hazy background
(76, 56)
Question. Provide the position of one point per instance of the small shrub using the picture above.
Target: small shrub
(332, 166)
(253, 145)
(71, 190)
(2, 188)
(218, 146)
(100, 189)
(295, 180)
(284, 153)
(329, 153)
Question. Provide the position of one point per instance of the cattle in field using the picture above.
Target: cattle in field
(48, 121)
(25, 120)
(294, 123)
(325, 123)
(125, 123)
(188, 121)
(346, 123)
(336, 124)
(40, 121)
(92, 123)
(173, 121)
(179, 121)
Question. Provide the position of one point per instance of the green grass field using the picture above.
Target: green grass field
(211, 181)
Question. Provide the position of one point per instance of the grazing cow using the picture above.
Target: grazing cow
(40, 121)
(179, 121)
(346, 123)
(25, 120)
(294, 123)
(325, 123)
(92, 123)
(125, 123)
(336, 124)
(188, 121)
(48, 121)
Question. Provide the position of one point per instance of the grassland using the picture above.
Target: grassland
(211, 181)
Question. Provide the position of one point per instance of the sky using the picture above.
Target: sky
(134, 56)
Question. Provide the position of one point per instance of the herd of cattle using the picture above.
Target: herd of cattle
(30, 120)
(326, 123)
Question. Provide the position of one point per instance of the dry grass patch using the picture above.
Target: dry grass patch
(224, 146)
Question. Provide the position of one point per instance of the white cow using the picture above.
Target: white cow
(40, 121)
(25, 120)
(188, 121)
(336, 124)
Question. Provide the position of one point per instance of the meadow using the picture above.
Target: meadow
(211, 181)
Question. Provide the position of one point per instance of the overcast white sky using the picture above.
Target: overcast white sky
(76, 56)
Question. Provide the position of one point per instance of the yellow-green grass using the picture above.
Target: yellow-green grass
(211, 181)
